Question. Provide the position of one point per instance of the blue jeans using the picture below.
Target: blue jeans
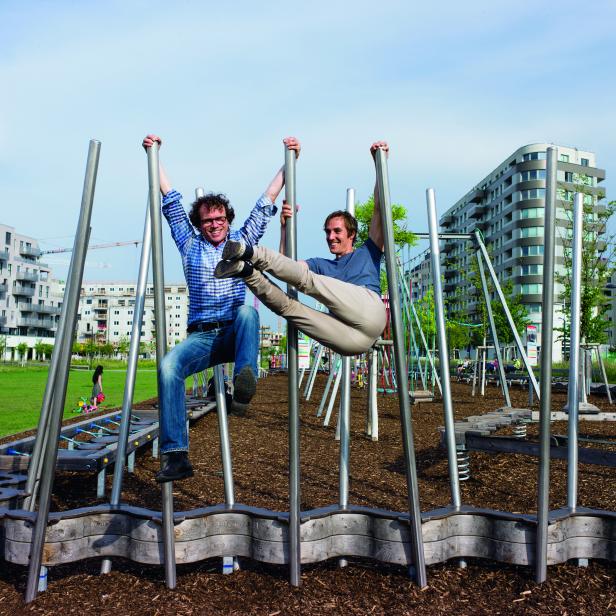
(237, 342)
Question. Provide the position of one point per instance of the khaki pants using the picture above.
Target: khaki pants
(357, 315)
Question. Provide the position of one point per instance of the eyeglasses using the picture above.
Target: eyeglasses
(210, 222)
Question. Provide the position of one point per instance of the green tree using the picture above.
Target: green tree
(597, 262)
(402, 237)
(22, 349)
(3, 347)
(123, 346)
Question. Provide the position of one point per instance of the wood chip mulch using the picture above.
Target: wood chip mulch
(260, 458)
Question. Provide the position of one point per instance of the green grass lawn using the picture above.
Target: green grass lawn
(22, 389)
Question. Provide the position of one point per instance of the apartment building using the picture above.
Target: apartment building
(106, 312)
(29, 311)
(507, 207)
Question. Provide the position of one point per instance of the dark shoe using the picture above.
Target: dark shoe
(233, 269)
(237, 249)
(177, 466)
(244, 388)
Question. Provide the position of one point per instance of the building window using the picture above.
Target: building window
(533, 193)
(531, 232)
(532, 212)
(534, 156)
(532, 251)
(531, 289)
(533, 308)
(584, 162)
(7, 238)
(564, 158)
(531, 270)
(534, 174)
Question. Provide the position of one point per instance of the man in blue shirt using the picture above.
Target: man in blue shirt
(348, 285)
(221, 328)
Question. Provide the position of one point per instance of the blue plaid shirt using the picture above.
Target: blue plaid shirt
(211, 299)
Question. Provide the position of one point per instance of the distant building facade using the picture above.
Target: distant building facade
(507, 207)
(29, 310)
(106, 312)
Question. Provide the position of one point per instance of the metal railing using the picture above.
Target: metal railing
(20, 289)
(28, 276)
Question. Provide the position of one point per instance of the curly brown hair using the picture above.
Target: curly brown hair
(211, 201)
(350, 222)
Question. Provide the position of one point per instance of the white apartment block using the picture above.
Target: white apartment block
(106, 312)
(507, 207)
(29, 310)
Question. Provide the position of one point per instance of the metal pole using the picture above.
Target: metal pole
(503, 301)
(417, 550)
(292, 362)
(450, 436)
(223, 431)
(333, 370)
(372, 399)
(131, 370)
(499, 358)
(573, 392)
(334, 393)
(475, 366)
(543, 497)
(69, 319)
(161, 349)
(345, 409)
(313, 374)
(604, 375)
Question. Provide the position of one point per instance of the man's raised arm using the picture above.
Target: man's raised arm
(165, 184)
(376, 228)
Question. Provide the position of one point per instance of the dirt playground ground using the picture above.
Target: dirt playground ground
(259, 444)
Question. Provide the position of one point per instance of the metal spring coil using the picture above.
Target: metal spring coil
(464, 464)
(519, 431)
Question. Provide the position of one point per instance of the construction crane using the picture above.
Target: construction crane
(110, 245)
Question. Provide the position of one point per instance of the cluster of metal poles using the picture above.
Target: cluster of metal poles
(43, 460)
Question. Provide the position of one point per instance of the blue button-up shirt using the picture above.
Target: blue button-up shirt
(211, 299)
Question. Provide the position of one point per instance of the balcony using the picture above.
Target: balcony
(20, 289)
(476, 211)
(477, 195)
(46, 309)
(36, 323)
(4, 255)
(30, 251)
(27, 276)
(446, 220)
(25, 307)
(27, 322)
(3, 290)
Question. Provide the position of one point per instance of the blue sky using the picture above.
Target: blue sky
(454, 87)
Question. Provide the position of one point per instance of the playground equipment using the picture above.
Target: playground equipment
(338, 531)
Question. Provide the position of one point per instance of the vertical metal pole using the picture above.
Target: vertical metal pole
(372, 399)
(604, 375)
(131, 370)
(161, 349)
(499, 358)
(417, 550)
(503, 301)
(333, 370)
(573, 391)
(223, 431)
(345, 409)
(313, 374)
(547, 333)
(334, 393)
(68, 322)
(292, 362)
(475, 366)
(439, 306)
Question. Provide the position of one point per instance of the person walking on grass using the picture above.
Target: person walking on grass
(97, 385)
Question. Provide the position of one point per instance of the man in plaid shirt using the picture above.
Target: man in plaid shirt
(221, 328)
